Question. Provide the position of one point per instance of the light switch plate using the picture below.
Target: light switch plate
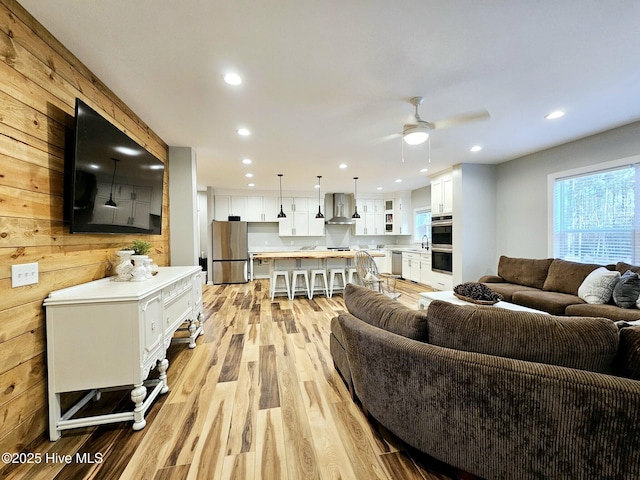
(25, 274)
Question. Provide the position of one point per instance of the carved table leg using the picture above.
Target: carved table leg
(192, 334)
(162, 368)
(138, 395)
(201, 323)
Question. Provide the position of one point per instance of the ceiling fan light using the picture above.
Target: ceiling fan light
(415, 134)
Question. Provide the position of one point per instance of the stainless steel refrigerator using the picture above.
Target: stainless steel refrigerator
(230, 252)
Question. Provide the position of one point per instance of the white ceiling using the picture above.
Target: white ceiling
(328, 82)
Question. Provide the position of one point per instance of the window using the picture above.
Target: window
(594, 216)
(422, 222)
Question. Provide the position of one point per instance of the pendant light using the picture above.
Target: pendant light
(319, 214)
(110, 203)
(355, 199)
(281, 214)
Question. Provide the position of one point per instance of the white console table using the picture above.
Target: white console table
(106, 335)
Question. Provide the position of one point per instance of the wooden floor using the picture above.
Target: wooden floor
(258, 398)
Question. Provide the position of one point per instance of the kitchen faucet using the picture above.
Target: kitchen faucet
(425, 241)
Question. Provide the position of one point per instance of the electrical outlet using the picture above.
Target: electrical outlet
(25, 274)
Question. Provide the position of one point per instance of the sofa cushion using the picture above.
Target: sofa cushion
(524, 271)
(609, 311)
(508, 289)
(381, 311)
(566, 277)
(551, 302)
(575, 342)
(628, 359)
(627, 290)
(598, 286)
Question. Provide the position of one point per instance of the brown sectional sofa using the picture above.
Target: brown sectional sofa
(497, 393)
(551, 285)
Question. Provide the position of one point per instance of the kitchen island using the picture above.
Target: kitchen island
(308, 259)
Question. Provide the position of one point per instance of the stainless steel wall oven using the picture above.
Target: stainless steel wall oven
(442, 244)
(441, 260)
(442, 231)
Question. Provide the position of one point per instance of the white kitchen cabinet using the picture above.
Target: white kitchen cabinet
(270, 209)
(371, 221)
(300, 220)
(248, 208)
(221, 207)
(397, 220)
(107, 335)
(239, 207)
(262, 209)
(425, 268)
(441, 281)
(402, 214)
(411, 266)
(442, 194)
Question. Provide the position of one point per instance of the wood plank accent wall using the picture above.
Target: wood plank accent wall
(39, 81)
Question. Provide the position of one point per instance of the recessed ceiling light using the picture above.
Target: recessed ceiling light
(232, 79)
(316, 186)
(251, 184)
(554, 115)
(343, 165)
(399, 180)
(248, 175)
(379, 188)
(475, 148)
(423, 170)
(244, 132)
(246, 161)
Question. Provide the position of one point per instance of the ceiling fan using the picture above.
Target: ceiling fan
(417, 133)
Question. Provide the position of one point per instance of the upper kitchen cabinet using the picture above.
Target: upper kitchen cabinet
(249, 209)
(262, 209)
(222, 207)
(442, 194)
(400, 214)
(300, 220)
(371, 221)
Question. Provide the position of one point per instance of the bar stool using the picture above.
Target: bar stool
(352, 274)
(294, 283)
(333, 274)
(322, 273)
(274, 280)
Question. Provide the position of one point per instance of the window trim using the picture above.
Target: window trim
(574, 172)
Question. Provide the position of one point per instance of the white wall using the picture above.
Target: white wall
(474, 221)
(522, 198)
(183, 206)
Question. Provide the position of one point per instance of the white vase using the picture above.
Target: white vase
(147, 267)
(139, 273)
(124, 267)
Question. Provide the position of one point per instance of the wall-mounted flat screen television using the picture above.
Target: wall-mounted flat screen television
(116, 184)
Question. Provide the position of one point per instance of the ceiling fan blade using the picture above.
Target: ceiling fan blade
(461, 119)
(388, 138)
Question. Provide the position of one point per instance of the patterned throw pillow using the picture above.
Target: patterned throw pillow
(598, 286)
(627, 290)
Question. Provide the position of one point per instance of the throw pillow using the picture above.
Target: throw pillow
(627, 290)
(598, 286)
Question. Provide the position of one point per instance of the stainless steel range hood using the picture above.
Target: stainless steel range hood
(341, 207)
